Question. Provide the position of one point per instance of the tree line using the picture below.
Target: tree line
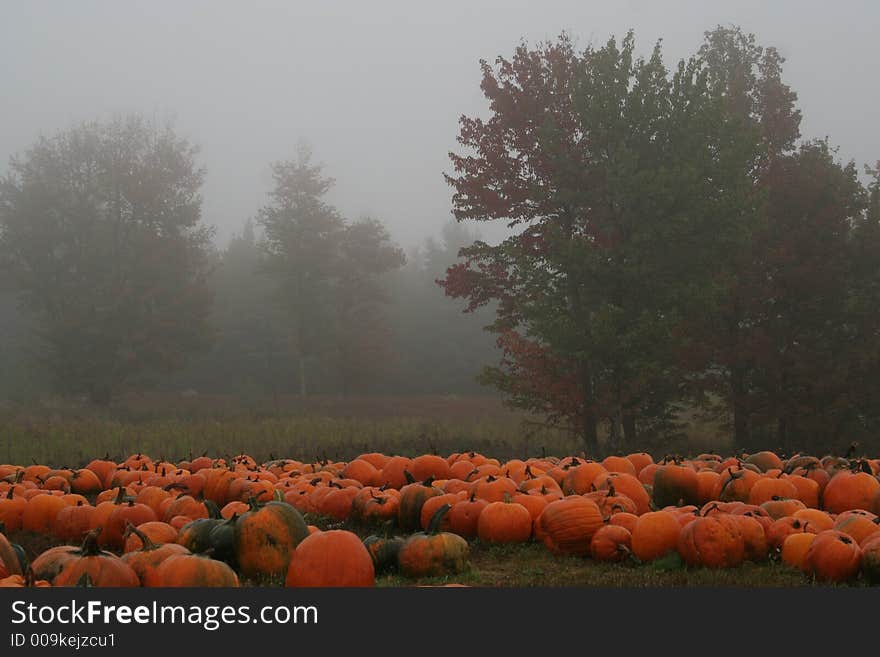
(674, 245)
(112, 282)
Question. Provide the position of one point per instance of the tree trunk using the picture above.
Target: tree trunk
(629, 429)
(590, 436)
(740, 409)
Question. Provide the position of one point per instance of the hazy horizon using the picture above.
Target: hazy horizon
(375, 88)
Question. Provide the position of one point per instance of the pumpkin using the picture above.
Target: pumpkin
(192, 570)
(464, 516)
(331, 558)
(780, 529)
(412, 497)
(765, 461)
(9, 558)
(567, 526)
(433, 553)
(833, 556)
(770, 488)
(147, 558)
(12, 507)
(858, 526)
(504, 522)
(429, 466)
(92, 566)
(795, 548)
(384, 552)
(655, 535)
(870, 564)
(611, 543)
(579, 478)
(265, 538)
(40, 514)
(118, 520)
(850, 490)
(711, 542)
(675, 485)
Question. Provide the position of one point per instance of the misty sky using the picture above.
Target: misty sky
(375, 87)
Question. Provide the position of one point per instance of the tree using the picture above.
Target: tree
(758, 129)
(440, 350)
(100, 228)
(606, 165)
(328, 278)
(363, 335)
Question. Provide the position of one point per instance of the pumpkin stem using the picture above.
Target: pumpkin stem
(120, 495)
(147, 544)
(90, 543)
(436, 519)
(85, 581)
(409, 478)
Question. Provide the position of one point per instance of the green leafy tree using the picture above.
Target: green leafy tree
(606, 167)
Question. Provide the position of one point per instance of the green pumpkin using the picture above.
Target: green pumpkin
(384, 552)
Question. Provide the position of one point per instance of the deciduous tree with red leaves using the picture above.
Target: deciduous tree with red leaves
(669, 242)
(603, 164)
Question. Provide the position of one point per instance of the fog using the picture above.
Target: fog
(376, 88)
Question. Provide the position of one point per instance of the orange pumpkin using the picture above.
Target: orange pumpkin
(655, 535)
(711, 542)
(567, 526)
(833, 556)
(504, 522)
(331, 558)
(611, 543)
(93, 567)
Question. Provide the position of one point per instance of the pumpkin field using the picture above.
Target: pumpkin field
(463, 519)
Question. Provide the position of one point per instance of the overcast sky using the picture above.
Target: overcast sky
(376, 87)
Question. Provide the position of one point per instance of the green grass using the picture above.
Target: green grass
(532, 565)
(172, 427)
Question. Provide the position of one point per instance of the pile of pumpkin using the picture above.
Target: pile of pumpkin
(214, 522)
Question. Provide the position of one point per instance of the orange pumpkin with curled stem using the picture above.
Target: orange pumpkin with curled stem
(99, 567)
(432, 552)
(612, 543)
(145, 560)
(158, 532)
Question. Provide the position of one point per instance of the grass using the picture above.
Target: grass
(532, 565)
(174, 427)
